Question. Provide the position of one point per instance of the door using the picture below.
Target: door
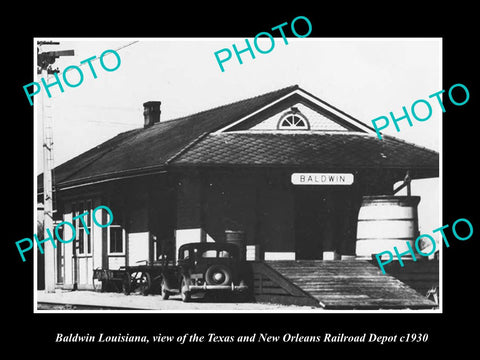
(60, 262)
(310, 224)
(82, 262)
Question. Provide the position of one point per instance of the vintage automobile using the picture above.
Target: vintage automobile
(205, 267)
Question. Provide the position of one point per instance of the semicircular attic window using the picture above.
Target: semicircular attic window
(293, 120)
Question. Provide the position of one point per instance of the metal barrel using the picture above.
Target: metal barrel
(238, 238)
(385, 221)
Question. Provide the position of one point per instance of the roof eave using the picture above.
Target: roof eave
(107, 177)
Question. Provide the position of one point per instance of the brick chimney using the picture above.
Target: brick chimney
(151, 113)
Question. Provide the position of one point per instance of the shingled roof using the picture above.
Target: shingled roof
(189, 141)
(148, 149)
(324, 151)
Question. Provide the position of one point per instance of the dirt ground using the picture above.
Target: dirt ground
(118, 302)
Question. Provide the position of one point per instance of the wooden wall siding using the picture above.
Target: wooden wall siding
(336, 284)
(228, 204)
(275, 218)
(316, 120)
(162, 219)
(189, 202)
(243, 200)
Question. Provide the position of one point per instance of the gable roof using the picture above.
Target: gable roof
(148, 149)
(306, 98)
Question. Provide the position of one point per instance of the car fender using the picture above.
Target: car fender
(171, 281)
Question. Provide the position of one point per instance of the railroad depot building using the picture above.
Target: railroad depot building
(287, 169)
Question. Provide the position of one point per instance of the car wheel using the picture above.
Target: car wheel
(218, 275)
(145, 283)
(164, 292)
(97, 284)
(184, 292)
(126, 284)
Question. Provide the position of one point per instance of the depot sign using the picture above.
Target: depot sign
(322, 179)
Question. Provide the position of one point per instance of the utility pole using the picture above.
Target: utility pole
(44, 67)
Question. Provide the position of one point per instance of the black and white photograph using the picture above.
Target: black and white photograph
(228, 195)
(269, 186)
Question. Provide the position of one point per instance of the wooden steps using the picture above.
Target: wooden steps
(420, 275)
(334, 284)
(271, 286)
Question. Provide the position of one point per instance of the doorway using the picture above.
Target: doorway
(311, 222)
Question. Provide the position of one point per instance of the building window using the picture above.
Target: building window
(84, 232)
(116, 239)
(116, 236)
(81, 240)
(293, 120)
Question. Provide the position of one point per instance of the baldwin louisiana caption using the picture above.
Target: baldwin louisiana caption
(254, 338)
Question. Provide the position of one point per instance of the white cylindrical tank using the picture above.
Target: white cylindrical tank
(385, 221)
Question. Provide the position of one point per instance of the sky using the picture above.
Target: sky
(365, 78)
